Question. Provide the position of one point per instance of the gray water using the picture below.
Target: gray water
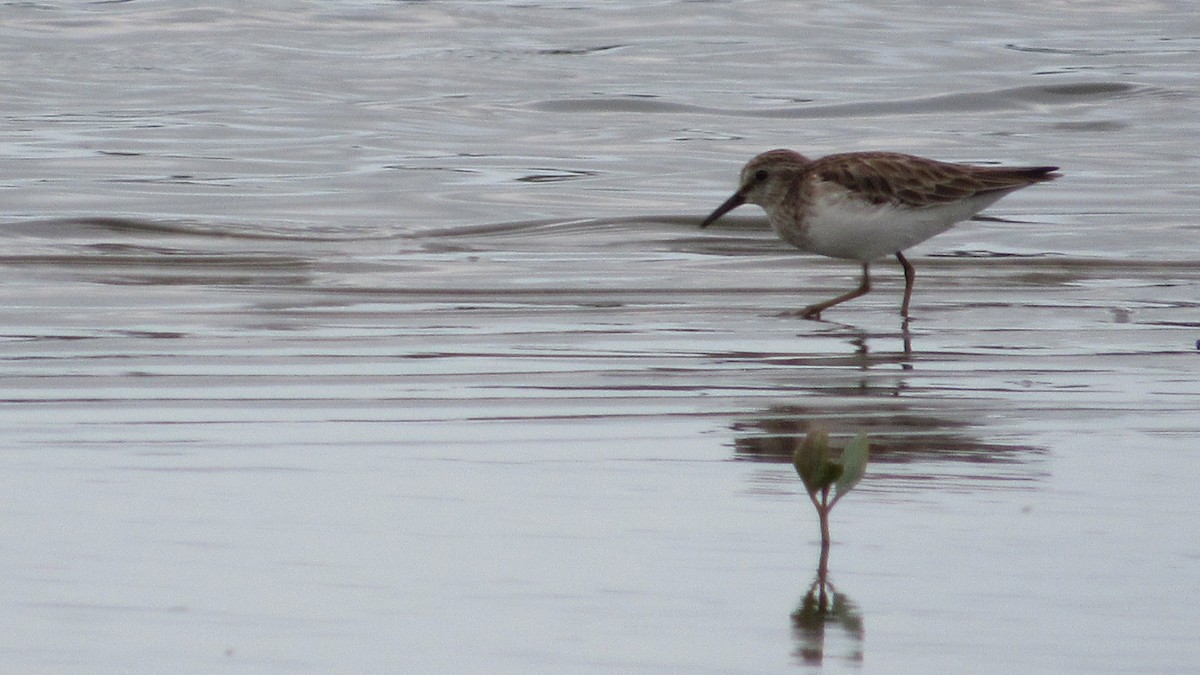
(380, 337)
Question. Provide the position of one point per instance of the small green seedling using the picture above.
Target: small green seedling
(822, 475)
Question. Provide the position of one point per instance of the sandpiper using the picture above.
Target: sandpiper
(866, 205)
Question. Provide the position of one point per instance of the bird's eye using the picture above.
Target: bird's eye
(760, 175)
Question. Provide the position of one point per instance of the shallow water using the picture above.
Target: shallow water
(366, 337)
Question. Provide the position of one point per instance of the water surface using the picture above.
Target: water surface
(368, 337)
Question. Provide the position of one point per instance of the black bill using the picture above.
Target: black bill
(730, 204)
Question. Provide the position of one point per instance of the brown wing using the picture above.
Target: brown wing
(884, 177)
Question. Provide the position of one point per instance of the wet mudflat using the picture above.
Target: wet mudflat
(434, 371)
(587, 468)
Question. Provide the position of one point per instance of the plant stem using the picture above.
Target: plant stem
(823, 565)
(823, 511)
(823, 515)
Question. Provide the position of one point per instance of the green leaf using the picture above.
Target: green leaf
(832, 472)
(811, 459)
(854, 465)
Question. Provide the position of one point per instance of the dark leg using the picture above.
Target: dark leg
(814, 311)
(910, 276)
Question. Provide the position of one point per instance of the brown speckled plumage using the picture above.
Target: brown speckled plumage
(882, 177)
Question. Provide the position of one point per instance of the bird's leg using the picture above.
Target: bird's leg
(814, 311)
(910, 276)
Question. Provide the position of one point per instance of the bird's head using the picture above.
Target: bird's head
(764, 181)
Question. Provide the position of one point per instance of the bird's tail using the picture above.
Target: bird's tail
(1034, 174)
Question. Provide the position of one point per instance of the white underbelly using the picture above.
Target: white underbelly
(859, 231)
